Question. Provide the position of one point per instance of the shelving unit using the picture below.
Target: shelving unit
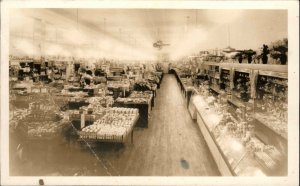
(225, 80)
(271, 109)
(214, 76)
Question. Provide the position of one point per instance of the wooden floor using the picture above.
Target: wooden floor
(172, 145)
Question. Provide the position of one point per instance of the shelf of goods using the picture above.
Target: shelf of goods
(214, 76)
(111, 125)
(265, 94)
(233, 144)
(271, 109)
(140, 100)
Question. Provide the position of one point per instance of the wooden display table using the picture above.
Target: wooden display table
(109, 138)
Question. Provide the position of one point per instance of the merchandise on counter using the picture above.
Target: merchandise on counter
(114, 125)
(118, 84)
(133, 100)
(279, 125)
(141, 94)
(271, 104)
(104, 101)
(236, 138)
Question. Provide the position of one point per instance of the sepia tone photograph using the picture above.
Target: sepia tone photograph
(147, 92)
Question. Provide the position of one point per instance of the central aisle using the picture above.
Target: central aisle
(172, 145)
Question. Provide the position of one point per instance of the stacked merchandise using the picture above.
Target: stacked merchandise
(114, 126)
(137, 97)
(118, 84)
(73, 94)
(105, 101)
(137, 100)
(141, 94)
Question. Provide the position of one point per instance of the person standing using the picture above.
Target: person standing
(265, 53)
(240, 58)
(249, 58)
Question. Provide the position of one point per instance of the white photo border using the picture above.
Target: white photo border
(293, 94)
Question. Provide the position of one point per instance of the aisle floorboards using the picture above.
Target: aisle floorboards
(172, 145)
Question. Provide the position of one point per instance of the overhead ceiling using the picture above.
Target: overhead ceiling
(186, 30)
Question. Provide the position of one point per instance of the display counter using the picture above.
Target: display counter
(234, 155)
(186, 86)
(143, 104)
(114, 126)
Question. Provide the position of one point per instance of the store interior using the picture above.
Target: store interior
(148, 92)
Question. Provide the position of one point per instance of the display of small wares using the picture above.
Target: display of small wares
(40, 106)
(105, 100)
(75, 94)
(210, 100)
(132, 100)
(141, 94)
(115, 123)
(77, 99)
(40, 129)
(18, 114)
(265, 160)
(117, 84)
(278, 125)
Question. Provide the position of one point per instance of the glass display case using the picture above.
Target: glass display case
(245, 137)
(271, 114)
(271, 103)
(233, 144)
